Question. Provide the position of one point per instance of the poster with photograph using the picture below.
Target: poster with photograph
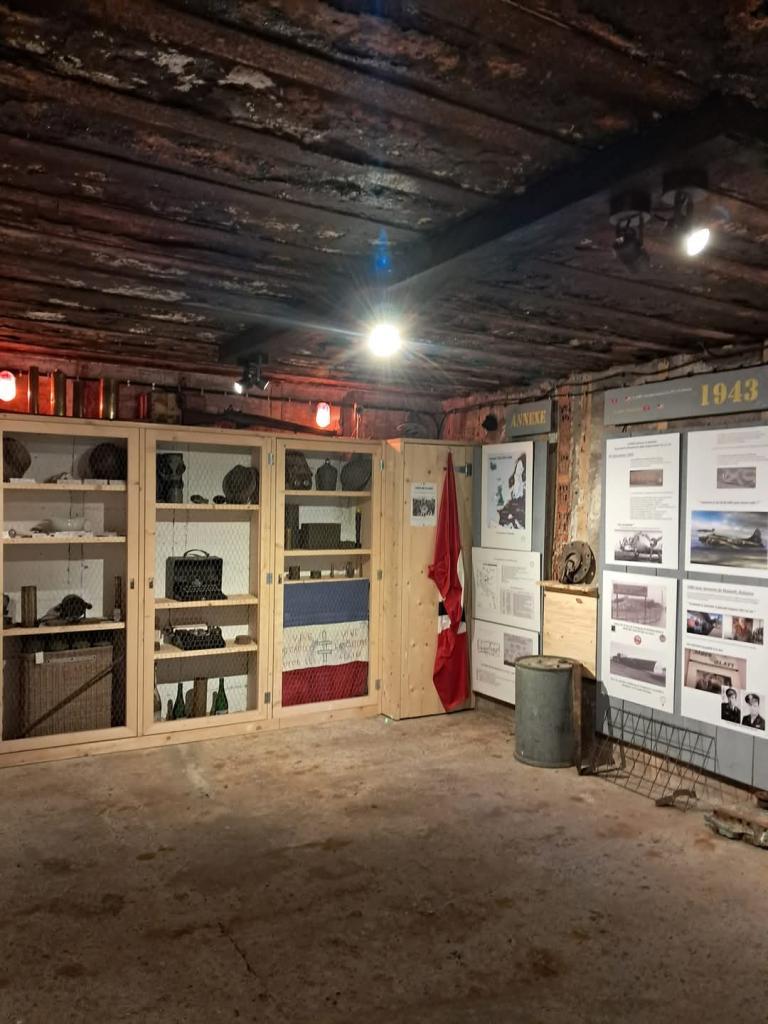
(725, 668)
(642, 500)
(495, 650)
(727, 513)
(507, 493)
(506, 587)
(638, 638)
(424, 504)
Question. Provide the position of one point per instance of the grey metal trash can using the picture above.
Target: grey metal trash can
(544, 734)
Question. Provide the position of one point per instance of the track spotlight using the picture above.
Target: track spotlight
(629, 213)
(251, 379)
(682, 190)
(384, 340)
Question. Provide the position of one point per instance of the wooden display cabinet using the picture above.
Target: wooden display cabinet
(319, 533)
(180, 515)
(69, 528)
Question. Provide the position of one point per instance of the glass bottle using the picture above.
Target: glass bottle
(222, 704)
(157, 703)
(179, 707)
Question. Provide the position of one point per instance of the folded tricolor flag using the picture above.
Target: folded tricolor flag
(325, 641)
(451, 672)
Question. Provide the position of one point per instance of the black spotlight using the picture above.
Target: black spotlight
(490, 423)
(682, 190)
(629, 213)
(251, 378)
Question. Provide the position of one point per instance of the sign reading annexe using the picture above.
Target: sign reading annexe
(705, 395)
(530, 418)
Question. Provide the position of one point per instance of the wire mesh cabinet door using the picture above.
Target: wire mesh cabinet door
(70, 565)
(207, 575)
(327, 599)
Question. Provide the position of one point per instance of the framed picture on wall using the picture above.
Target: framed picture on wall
(507, 496)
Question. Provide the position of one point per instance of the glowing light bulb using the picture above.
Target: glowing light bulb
(697, 241)
(323, 415)
(7, 386)
(384, 340)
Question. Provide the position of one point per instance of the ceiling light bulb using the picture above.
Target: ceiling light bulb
(697, 241)
(323, 415)
(238, 388)
(7, 386)
(384, 340)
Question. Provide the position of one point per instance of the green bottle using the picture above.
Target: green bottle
(179, 707)
(222, 704)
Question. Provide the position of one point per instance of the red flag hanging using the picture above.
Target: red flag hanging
(451, 672)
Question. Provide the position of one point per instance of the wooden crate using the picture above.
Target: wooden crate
(570, 624)
(54, 696)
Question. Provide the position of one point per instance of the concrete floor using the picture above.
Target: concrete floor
(368, 872)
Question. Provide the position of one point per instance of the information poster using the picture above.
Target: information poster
(495, 650)
(638, 638)
(507, 491)
(424, 504)
(642, 500)
(506, 587)
(727, 506)
(725, 670)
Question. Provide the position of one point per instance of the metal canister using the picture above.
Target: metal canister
(544, 734)
(59, 393)
(108, 398)
(33, 391)
(78, 398)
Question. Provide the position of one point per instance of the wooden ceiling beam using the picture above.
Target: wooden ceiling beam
(193, 33)
(484, 56)
(85, 116)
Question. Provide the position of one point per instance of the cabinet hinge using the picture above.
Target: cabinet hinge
(377, 684)
(379, 574)
(269, 577)
(465, 470)
(267, 698)
(270, 458)
(381, 465)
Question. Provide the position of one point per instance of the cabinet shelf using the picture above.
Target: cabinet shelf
(91, 626)
(326, 552)
(65, 539)
(325, 579)
(168, 651)
(327, 494)
(69, 485)
(168, 603)
(193, 506)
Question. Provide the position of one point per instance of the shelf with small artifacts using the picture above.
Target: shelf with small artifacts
(327, 528)
(70, 494)
(205, 587)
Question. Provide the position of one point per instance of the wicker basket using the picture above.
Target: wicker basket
(49, 697)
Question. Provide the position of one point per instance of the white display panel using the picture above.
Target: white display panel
(495, 649)
(506, 587)
(507, 496)
(639, 619)
(642, 500)
(725, 668)
(727, 502)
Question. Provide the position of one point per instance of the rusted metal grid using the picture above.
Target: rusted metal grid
(665, 763)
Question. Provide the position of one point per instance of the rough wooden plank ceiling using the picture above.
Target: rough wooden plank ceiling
(184, 179)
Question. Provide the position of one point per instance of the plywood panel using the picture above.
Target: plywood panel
(426, 463)
(570, 628)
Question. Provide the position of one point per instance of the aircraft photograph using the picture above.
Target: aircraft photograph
(734, 539)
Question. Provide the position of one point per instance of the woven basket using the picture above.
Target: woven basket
(54, 683)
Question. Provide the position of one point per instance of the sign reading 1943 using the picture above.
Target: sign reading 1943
(706, 395)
